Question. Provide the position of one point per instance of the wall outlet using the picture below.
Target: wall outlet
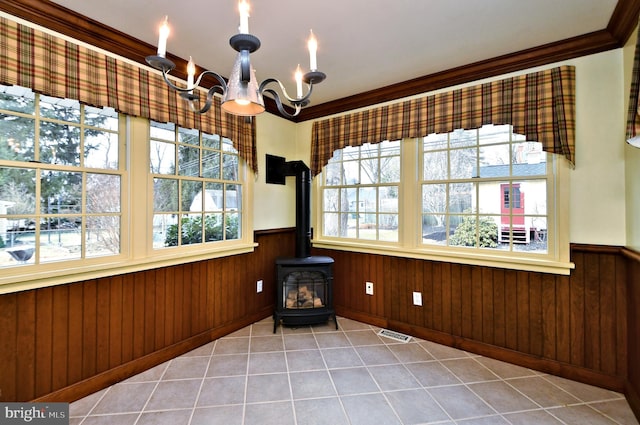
(368, 288)
(417, 298)
(259, 286)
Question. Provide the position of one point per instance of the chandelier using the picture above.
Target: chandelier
(241, 94)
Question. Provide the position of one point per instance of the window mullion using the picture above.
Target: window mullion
(410, 194)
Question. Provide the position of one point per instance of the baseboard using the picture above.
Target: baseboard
(119, 373)
(552, 367)
(361, 317)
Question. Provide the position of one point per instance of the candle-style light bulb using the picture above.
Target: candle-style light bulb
(191, 72)
(312, 44)
(298, 76)
(162, 39)
(243, 6)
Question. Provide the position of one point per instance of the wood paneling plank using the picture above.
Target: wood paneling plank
(499, 309)
(115, 322)
(447, 299)
(607, 305)
(563, 319)
(379, 289)
(592, 312)
(577, 311)
(9, 346)
(487, 302)
(149, 330)
(187, 286)
(44, 341)
(89, 328)
(477, 299)
(138, 314)
(438, 297)
(536, 342)
(169, 306)
(427, 285)
(26, 346)
(126, 339)
(102, 324)
(76, 329)
(626, 316)
(60, 323)
(160, 304)
(456, 300)
(523, 312)
(466, 306)
(549, 322)
(511, 309)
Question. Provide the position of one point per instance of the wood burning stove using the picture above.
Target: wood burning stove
(304, 291)
(304, 283)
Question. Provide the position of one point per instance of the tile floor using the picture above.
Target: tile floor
(317, 375)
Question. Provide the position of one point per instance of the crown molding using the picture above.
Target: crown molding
(622, 23)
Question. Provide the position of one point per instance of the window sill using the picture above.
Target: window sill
(542, 264)
(25, 278)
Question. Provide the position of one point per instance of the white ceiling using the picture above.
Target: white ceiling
(362, 44)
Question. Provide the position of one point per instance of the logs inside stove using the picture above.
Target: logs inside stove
(304, 293)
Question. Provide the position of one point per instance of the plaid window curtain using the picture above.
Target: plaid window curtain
(59, 68)
(633, 115)
(539, 105)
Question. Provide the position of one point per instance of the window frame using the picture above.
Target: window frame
(360, 159)
(410, 218)
(180, 177)
(136, 252)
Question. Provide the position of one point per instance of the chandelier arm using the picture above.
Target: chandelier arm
(283, 111)
(295, 101)
(194, 100)
(222, 82)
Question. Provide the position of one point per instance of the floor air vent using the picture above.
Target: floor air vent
(394, 335)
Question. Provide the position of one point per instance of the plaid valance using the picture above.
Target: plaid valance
(539, 105)
(633, 115)
(56, 67)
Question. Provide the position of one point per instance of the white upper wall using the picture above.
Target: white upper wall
(597, 184)
(597, 207)
(274, 204)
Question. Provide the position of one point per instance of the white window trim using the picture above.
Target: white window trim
(137, 253)
(410, 245)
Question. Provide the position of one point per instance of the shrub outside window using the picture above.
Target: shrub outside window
(61, 174)
(197, 187)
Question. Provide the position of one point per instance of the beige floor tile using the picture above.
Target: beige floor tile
(460, 403)
(502, 397)
(315, 375)
(124, 398)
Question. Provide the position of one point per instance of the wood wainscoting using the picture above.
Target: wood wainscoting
(64, 342)
(632, 390)
(573, 326)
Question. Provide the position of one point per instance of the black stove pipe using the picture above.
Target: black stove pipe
(303, 206)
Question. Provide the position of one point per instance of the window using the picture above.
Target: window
(360, 197)
(77, 184)
(197, 190)
(474, 184)
(61, 173)
(481, 196)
